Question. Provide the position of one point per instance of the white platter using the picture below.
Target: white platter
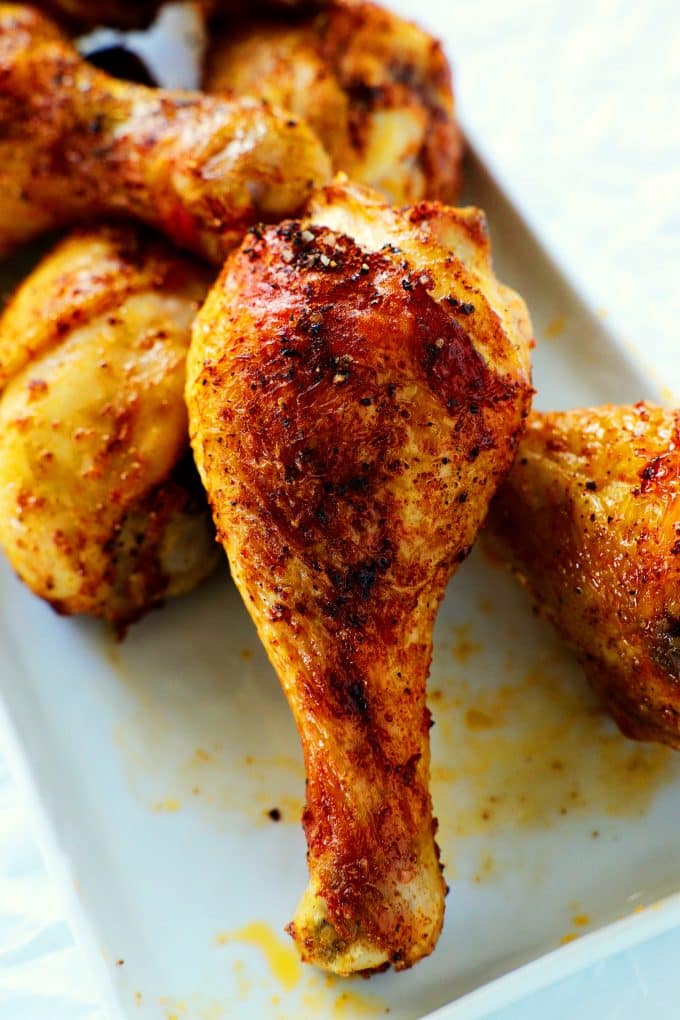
(153, 765)
(156, 761)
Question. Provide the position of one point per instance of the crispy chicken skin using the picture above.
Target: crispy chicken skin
(375, 88)
(101, 510)
(75, 143)
(357, 383)
(589, 519)
(81, 14)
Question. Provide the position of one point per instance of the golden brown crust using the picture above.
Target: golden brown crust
(77, 144)
(348, 420)
(83, 14)
(97, 502)
(590, 521)
(375, 88)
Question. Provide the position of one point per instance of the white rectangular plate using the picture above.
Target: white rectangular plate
(157, 761)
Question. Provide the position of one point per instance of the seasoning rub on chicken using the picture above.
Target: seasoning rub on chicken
(375, 88)
(81, 14)
(77, 144)
(101, 510)
(357, 384)
(589, 520)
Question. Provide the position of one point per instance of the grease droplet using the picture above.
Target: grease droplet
(555, 327)
(281, 958)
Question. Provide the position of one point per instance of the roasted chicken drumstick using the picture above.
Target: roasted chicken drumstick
(357, 383)
(375, 88)
(75, 143)
(101, 510)
(81, 14)
(589, 519)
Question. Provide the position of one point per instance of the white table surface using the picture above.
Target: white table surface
(578, 105)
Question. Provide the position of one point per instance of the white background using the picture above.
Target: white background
(577, 104)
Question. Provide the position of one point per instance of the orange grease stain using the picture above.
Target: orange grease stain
(169, 805)
(555, 327)
(192, 1009)
(464, 647)
(527, 754)
(349, 1004)
(282, 959)
(320, 998)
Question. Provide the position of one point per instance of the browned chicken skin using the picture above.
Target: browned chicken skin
(375, 88)
(589, 519)
(357, 383)
(75, 143)
(82, 14)
(101, 511)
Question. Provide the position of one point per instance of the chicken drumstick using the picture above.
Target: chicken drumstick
(375, 88)
(589, 519)
(357, 383)
(101, 511)
(75, 143)
(80, 14)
